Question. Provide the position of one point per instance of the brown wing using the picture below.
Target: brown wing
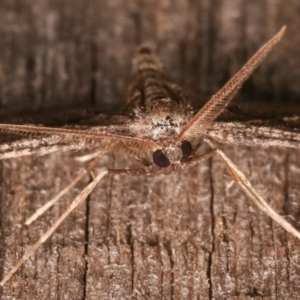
(40, 140)
(255, 133)
(70, 132)
(215, 106)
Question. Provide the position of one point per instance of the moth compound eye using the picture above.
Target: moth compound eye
(186, 148)
(160, 159)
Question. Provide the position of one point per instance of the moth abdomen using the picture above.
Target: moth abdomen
(146, 59)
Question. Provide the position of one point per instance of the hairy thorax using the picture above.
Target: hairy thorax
(161, 119)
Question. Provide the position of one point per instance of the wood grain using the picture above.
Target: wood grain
(189, 235)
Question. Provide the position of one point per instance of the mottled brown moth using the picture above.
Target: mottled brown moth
(159, 128)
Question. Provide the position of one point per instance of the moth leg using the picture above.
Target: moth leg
(51, 202)
(154, 169)
(244, 183)
(87, 157)
(78, 200)
(196, 159)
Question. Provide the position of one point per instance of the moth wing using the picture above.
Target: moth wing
(30, 135)
(19, 140)
(255, 133)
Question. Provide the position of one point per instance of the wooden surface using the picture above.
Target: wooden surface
(188, 235)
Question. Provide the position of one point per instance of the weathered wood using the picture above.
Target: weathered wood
(188, 235)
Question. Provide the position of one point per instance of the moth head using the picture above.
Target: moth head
(172, 154)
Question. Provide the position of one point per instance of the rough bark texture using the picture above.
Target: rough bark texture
(188, 235)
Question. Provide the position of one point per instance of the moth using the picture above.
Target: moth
(159, 128)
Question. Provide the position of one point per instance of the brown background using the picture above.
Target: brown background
(183, 236)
